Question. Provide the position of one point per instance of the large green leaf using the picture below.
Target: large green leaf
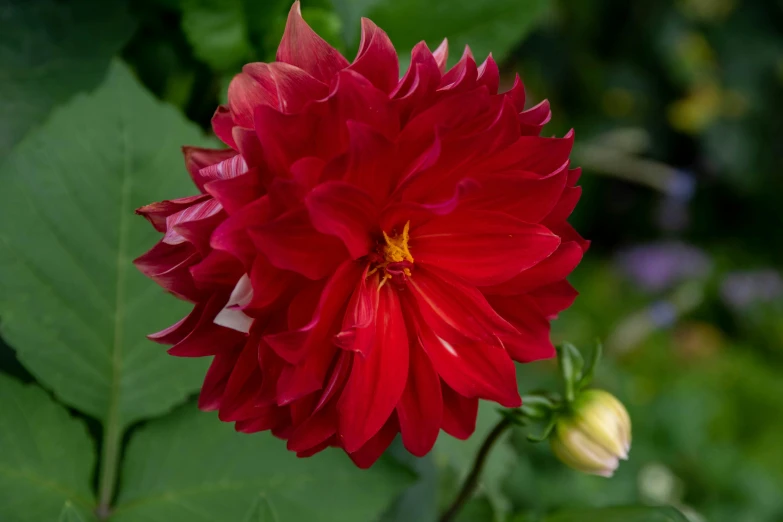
(495, 26)
(71, 303)
(70, 514)
(217, 30)
(50, 50)
(191, 465)
(620, 514)
(46, 458)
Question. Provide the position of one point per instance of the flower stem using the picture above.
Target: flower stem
(469, 486)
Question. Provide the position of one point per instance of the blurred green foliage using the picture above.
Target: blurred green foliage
(677, 109)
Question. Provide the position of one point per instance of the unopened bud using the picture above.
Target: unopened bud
(595, 435)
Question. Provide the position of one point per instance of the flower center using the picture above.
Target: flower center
(394, 257)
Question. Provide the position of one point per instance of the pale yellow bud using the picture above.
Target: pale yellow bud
(595, 435)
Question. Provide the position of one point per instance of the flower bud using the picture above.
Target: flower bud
(594, 435)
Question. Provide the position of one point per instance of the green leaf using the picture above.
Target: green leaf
(50, 50)
(190, 463)
(72, 304)
(261, 511)
(495, 27)
(70, 514)
(419, 502)
(620, 514)
(217, 31)
(46, 460)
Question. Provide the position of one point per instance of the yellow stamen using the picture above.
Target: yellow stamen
(396, 249)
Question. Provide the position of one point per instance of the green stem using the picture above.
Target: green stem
(110, 459)
(469, 486)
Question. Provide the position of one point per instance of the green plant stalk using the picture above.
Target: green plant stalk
(110, 459)
(469, 486)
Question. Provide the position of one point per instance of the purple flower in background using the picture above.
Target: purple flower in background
(659, 266)
(739, 290)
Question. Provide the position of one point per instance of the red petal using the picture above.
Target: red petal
(451, 306)
(216, 379)
(302, 47)
(222, 126)
(231, 236)
(199, 211)
(217, 269)
(226, 169)
(420, 409)
(312, 314)
(157, 213)
(197, 158)
(316, 429)
(523, 195)
(531, 120)
(267, 418)
(242, 386)
(532, 153)
(566, 205)
(473, 369)
(269, 283)
(517, 94)
(459, 413)
(292, 243)
(208, 338)
(489, 75)
(481, 247)
(461, 77)
(377, 60)
(551, 270)
(419, 83)
(554, 298)
(168, 265)
(368, 454)
(369, 156)
(441, 55)
(287, 88)
(532, 343)
(343, 210)
(234, 193)
(337, 378)
(181, 329)
(358, 329)
(377, 381)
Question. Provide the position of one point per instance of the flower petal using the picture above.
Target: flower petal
(340, 209)
(378, 380)
(551, 270)
(532, 342)
(292, 243)
(208, 338)
(449, 305)
(377, 60)
(553, 299)
(441, 55)
(459, 413)
(223, 125)
(303, 48)
(471, 368)
(420, 409)
(481, 247)
(372, 450)
(197, 158)
(157, 213)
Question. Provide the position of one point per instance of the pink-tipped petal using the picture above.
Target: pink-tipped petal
(303, 48)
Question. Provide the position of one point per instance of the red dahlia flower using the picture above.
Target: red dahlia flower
(372, 253)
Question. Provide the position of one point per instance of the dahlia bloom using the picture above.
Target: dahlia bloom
(371, 254)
